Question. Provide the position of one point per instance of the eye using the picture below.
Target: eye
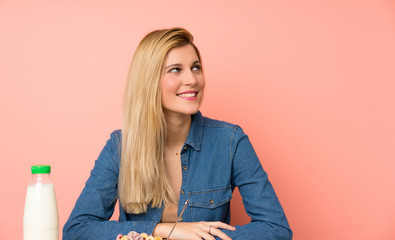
(175, 70)
(196, 68)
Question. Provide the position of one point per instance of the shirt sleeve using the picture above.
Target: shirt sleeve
(268, 220)
(95, 206)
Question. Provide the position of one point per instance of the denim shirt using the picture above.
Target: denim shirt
(216, 157)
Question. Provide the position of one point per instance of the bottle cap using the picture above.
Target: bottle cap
(41, 169)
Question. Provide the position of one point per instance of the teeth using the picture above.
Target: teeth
(187, 95)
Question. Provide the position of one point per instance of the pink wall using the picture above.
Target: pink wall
(311, 82)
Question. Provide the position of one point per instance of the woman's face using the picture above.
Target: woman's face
(182, 82)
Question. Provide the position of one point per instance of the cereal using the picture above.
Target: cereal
(132, 235)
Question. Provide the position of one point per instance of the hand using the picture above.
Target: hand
(194, 230)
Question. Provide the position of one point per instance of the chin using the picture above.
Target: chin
(189, 109)
(190, 112)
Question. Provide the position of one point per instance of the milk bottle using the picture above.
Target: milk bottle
(40, 219)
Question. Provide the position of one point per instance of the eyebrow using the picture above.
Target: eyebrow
(179, 64)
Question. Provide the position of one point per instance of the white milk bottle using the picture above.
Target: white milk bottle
(40, 219)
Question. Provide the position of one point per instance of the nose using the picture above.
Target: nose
(189, 78)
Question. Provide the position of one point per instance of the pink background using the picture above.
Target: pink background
(311, 82)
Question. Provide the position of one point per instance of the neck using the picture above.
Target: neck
(177, 129)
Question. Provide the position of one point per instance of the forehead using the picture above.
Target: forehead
(184, 54)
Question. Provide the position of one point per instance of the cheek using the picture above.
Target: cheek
(202, 83)
(169, 85)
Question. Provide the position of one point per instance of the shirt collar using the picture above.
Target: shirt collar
(194, 138)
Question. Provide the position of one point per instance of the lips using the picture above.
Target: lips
(188, 94)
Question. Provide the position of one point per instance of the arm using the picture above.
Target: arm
(94, 207)
(194, 230)
(268, 220)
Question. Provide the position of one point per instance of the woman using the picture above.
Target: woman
(168, 153)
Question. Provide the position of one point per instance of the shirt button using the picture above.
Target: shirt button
(211, 201)
(185, 147)
(181, 219)
(185, 168)
(182, 191)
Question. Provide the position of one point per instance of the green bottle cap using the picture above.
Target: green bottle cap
(41, 169)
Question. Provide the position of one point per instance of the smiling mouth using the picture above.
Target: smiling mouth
(187, 94)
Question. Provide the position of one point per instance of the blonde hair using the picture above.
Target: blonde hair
(142, 178)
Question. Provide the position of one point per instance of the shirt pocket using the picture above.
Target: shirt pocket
(210, 205)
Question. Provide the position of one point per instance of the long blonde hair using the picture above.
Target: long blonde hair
(142, 178)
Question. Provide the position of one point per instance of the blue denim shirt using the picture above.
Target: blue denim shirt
(216, 157)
